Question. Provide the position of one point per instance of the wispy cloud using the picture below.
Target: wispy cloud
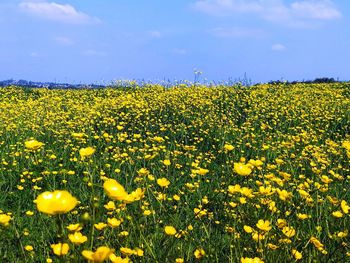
(278, 47)
(34, 54)
(154, 34)
(225, 7)
(297, 13)
(324, 10)
(64, 41)
(64, 13)
(180, 51)
(237, 32)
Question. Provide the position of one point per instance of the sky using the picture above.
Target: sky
(100, 41)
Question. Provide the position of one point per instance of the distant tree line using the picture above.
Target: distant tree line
(316, 80)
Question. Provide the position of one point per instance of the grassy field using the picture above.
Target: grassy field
(182, 174)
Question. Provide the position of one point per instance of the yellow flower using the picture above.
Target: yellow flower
(143, 172)
(302, 216)
(272, 246)
(29, 248)
(74, 227)
(110, 206)
(242, 169)
(344, 206)
(256, 163)
(251, 260)
(296, 254)
(138, 252)
(316, 243)
(33, 145)
(199, 253)
(228, 147)
(29, 213)
(258, 236)
(284, 195)
(232, 189)
(60, 249)
(163, 182)
(78, 135)
(86, 152)
(170, 230)
(179, 260)
(5, 219)
(264, 225)
(56, 202)
(337, 214)
(126, 251)
(248, 229)
(166, 162)
(135, 195)
(281, 223)
(147, 212)
(100, 226)
(77, 238)
(202, 171)
(113, 222)
(116, 259)
(342, 234)
(288, 231)
(346, 145)
(114, 190)
(100, 255)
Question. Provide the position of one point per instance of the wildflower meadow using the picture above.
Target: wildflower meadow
(179, 174)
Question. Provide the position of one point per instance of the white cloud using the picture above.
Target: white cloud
(56, 12)
(34, 54)
(237, 32)
(323, 10)
(297, 13)
(224, 7)
(65, 41)
(180, 51)
(278, 47)
(154, 34)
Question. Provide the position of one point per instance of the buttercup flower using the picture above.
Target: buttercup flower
(116, 259)
(345, 207)
(86, 152)
(199, 253)
(296, 254)
(100, 255)
(163, 182)
(242, 169)
(114, 190)
(113, 222)
(166, 162)
(170, 230)
(251, 260)
(5, 219)
(264, 225)
(228, 147)
(288, 231)
(60, 249)
(33, 145)
(29, 248)
(77, 238)
(56, 202)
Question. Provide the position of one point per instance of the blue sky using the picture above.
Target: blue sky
(100, 41)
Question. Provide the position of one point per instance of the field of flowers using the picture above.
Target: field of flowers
(181, 174)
